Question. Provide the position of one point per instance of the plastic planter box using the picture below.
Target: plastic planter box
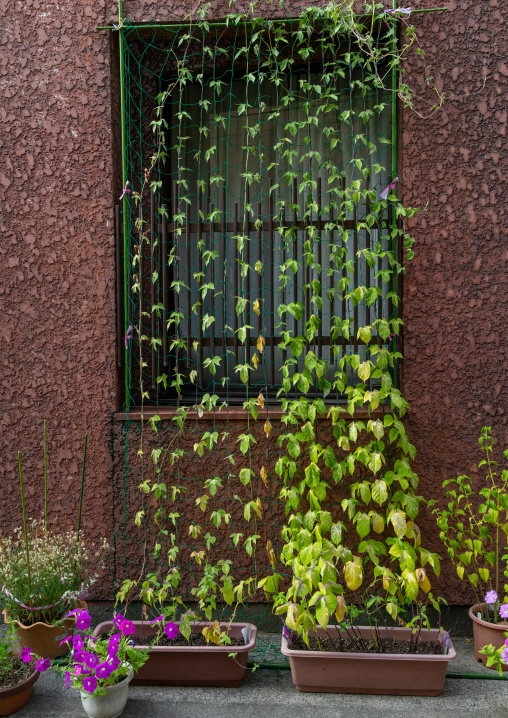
(370, 673)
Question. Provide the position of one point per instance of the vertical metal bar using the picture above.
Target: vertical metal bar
(271, 253)
(212, 280)
(283, 244)
(153, 315)
(201, 281)
(320, 260)
(367, 268)
(235, 274)
(126, 297)
(260, 259)
(176, 273)
(344, 260)
(165, 287)
(332, 306)
(246, 226)
(355, 279)
(295, 251)
(224, 288)
(119, 282)
(188, 273)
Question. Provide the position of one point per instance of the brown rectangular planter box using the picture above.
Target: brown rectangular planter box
(371, 673)
(192, 665)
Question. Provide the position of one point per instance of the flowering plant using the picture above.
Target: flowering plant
(497, 657)
(96, 662)
(476, 537)
(44, 584)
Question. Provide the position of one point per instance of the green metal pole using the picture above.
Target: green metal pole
(125, 205)
(24, 523)
(162, 23)
(45, 474)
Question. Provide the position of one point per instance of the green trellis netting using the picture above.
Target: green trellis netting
(237, 249)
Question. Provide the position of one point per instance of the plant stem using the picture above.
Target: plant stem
(82, 485)
(45, 474)
(24, 523)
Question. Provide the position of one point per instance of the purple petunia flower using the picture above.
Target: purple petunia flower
(83, 621)
(384, 194)
(171, 630)
(491, 598)
(77, 643)
(504, 656)
(92, 661)
(73, 612)
(128, 628)
(67, 679)
(156, 620)
(126, 189)
(43, 664)
(90, 684)
(114, 662)
(104, 670)
(26, 655)
(503, 611)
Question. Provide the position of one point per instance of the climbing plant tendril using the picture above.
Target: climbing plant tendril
(265, 249)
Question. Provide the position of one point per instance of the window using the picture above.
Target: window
(253, 182)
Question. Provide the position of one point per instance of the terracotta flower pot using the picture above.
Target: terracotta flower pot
(486, 633)
(13, 699)
(370, 673)
(192, 665)
(43, 638)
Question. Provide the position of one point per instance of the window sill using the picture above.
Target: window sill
(167, 413)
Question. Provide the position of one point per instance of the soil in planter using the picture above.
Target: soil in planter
(337, 644)
(15, 673)
(195, 639)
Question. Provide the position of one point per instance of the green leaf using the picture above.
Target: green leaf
(353, 575)
(362, 525)
(380, 492)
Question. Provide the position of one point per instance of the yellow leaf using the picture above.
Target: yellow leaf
(267, 428)
(260, 343)
(353, 574)
(341, 609)
(255, 361)
(264, 476)
(257, 308)
(272, 557)
(258, 267)
(422, 579)
(261, 400)
(386, 582)
(258, 508)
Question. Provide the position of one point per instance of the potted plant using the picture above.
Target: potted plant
(476, 539)
(189, 651)
(16, 678)
(44, 573)
(101, 668)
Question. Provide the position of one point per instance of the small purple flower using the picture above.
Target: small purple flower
(491, 598)
(64, 640)
(503, 611)
(72, 613)
(384, 194)
(77, 643)
(504, 656)
(171, 630)
(90, 684)
(80, 656)
(67, 679)
(104, 670)
(114, 662)
(399, 12)
(159, 618)
(127, 337)
(128, 628)
(43, 664)
(119, 620)
(26, 655)
(83, 621)
(126, 190)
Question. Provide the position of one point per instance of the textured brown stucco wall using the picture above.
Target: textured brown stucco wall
(59, 177)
